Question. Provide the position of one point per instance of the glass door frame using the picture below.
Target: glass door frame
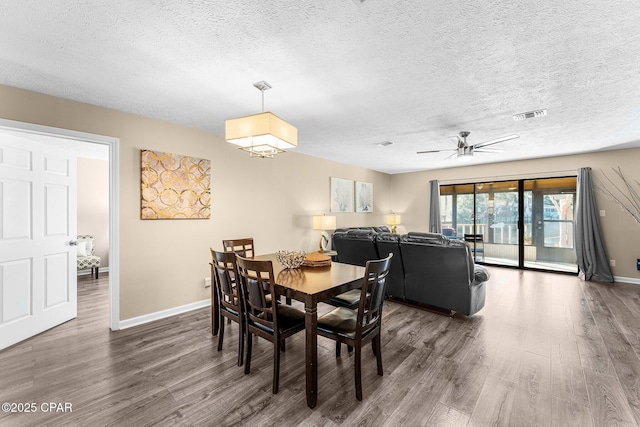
(472, 189)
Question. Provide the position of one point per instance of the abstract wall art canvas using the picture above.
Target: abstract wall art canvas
(364, 196)
(341, 195)
(174, 186)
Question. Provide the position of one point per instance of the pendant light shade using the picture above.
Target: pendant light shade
(262, 135)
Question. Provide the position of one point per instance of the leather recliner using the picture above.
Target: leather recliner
(427, 268)
(355, 246)
(441, 272)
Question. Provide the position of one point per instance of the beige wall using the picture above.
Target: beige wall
(164, 262)
(410, 195)
(93, 204)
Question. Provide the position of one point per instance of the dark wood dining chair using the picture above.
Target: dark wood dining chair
(230, 303)
(476, 243)
(358, 327)
(272, 321)
(243, 246)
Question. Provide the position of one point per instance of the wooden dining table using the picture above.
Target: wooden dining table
(311, 285)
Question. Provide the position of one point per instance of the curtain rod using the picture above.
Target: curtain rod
(532, 175)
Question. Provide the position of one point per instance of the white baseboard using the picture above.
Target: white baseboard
(146, 318)
(626, 280)
(88, 271)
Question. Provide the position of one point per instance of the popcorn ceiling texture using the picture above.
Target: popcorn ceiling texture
(347, 75)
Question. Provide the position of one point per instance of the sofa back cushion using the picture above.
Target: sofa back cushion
(355, 246)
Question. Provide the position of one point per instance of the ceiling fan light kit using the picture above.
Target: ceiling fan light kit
(464, 154)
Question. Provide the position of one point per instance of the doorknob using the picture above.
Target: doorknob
(73, 243)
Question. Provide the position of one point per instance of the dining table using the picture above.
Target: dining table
(312, 285)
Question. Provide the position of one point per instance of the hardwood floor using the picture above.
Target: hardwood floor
(546, 350)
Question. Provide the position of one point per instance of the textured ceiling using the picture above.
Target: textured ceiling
(348, 75)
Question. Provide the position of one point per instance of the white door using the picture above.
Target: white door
(38, 287)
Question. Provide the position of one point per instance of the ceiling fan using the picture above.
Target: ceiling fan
(464, 151)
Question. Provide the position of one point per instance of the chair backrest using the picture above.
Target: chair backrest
(477, 238)
(372, 296)
(225, 275)
(256, 281)
(90, 243)
(243, 246)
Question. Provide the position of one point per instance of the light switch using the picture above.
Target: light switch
(602, 212)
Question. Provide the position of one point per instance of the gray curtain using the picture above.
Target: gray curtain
(435, 221)
(593, 260)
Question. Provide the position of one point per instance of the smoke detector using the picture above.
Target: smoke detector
(530, 115)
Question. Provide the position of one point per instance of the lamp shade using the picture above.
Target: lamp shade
(263, 133)
(393, 219)
(324, 222)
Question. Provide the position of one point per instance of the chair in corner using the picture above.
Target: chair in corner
(358, 327)
(244, 246)
(267, 319)
(476, 243)
(227, 301)
(87, 257)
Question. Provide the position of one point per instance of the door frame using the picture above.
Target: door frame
(114, 198)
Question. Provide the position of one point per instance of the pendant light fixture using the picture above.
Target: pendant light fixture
(263, 135)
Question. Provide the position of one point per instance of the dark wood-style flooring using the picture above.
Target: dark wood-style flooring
(547, 350)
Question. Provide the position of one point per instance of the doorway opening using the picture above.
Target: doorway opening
(65, 139)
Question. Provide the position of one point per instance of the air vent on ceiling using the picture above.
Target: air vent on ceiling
(530, 115)
(384, 143)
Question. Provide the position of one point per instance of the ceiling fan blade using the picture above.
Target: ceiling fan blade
(487, 150)
(455, 153)
(495, 141)
(432, 151)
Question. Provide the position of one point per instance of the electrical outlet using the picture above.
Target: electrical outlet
(612, 262)
(602, 212)
(207, 282)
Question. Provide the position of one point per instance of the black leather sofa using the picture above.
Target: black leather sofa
(426, 268)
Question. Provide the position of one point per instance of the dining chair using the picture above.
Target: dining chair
(272, 321)
(243, 246)
(230, 299)
(358, 327)
(476, 243)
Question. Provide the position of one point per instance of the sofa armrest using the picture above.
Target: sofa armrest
(480, 274)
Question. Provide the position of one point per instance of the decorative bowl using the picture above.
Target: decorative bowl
(291, 259)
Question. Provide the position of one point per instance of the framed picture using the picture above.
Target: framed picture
(364, 196)
(341, 195)
(174, 186)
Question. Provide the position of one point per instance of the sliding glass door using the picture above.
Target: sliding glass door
(552, 231)
(523, 223)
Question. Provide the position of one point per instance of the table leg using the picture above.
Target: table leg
(311, 354)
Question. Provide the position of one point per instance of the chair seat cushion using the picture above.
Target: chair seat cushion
(346, 299)
(289, 317)
(91, 261)
(340, 319)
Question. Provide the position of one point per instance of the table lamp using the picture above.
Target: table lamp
(393, 220)
(324, 223)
